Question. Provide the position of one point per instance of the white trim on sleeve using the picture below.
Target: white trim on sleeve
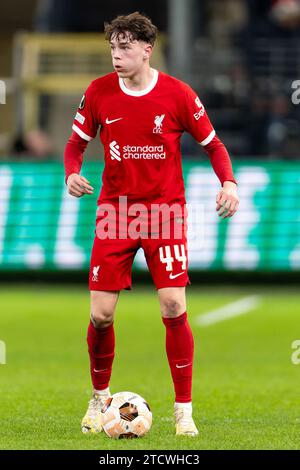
(81, 133)
(208, 139)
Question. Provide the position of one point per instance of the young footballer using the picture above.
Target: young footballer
(142, 114)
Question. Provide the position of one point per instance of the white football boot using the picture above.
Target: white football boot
(184, 422)
(92, 421)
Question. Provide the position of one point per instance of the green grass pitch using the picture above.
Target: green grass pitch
(245, 389)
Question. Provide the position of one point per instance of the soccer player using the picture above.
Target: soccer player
(142, 114)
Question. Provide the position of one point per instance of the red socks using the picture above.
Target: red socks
(180, 352)
(101, 346)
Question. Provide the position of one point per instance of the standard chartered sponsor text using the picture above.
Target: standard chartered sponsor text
(141, 152)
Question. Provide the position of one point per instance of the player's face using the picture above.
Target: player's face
(128, 55)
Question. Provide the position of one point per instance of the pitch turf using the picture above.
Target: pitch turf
(245, 392)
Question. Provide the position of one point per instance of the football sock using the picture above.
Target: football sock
(102, 393)
(101, 347)
(180, 352)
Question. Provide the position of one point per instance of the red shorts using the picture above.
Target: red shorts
(112, 259)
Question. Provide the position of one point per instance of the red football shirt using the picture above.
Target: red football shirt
(140, 132)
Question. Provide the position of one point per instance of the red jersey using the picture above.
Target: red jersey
(140, 132)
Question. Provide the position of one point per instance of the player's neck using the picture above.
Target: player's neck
(139, 81)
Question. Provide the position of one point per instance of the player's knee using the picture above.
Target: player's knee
(172, 308)
(102, 318)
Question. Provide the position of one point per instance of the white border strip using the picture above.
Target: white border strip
(81, 133)
(234, 309)
(140, 92)
(208, 138)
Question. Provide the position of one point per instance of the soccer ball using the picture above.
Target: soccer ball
(126, 415)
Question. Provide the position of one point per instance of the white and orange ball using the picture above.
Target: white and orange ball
(126, 415)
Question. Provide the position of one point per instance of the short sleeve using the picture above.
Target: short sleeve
(85, 122)
(195, 119)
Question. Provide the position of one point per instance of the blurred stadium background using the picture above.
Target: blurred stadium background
(243, 58)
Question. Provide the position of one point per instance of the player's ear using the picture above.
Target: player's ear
(147, 51)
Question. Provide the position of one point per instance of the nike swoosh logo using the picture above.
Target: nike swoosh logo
(180, 367)
(173, 276)
(100, 370)
(113, 120)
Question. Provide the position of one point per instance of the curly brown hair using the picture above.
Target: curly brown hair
(137, 24)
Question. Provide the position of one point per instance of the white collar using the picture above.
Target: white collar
(139, 92)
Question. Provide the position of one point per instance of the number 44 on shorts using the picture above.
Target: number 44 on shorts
(166, 256)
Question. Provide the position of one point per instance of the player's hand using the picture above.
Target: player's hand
(227, 200)
(78, 185)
